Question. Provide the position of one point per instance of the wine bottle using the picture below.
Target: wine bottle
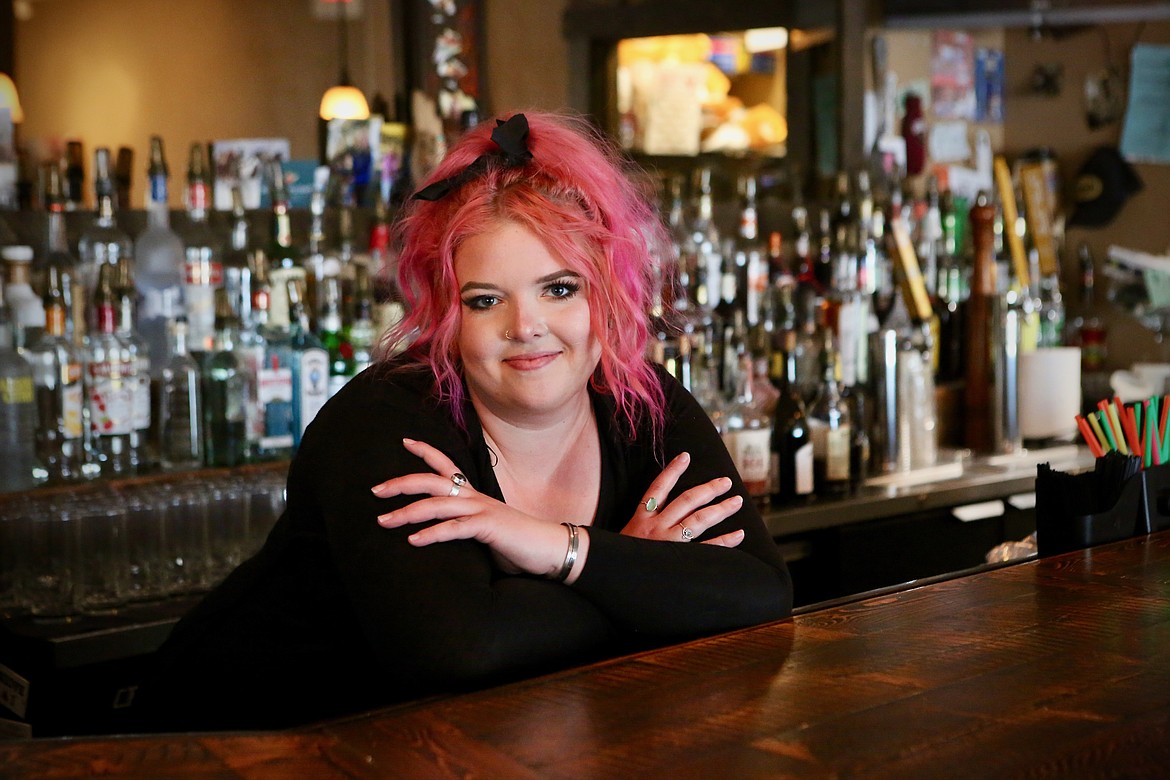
(791, 448)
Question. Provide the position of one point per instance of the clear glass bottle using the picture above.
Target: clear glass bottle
(139, 367)
(110, 384)
(274, 379)
(310, 364)
(58, 255)
(832, 434)
(747, 434)
(237, 260)
(203, 255)
(179, 440)
(159, 259)
(25, 309)
(57, 376)
(102, 241)
(284, 262)
(19, 468)
(225, 391)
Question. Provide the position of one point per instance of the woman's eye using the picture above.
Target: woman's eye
(563, 289)
(480, 302)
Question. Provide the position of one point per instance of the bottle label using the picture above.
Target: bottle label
(163, 303)
(804, 469)
(274, 395)
(253, 360)
(313, 385)
(16, 390)
(71, 400)
(111, 400)
(837, 453)
(200, 317)
(750, 450)
(141, 388)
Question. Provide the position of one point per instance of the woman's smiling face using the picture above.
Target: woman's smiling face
(525, 339)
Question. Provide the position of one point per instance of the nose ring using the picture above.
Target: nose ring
(508, 335)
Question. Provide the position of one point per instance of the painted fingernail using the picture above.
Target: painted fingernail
(377, 490)
(408, 442)
(684, 457)
(386, 518)
(737, 500)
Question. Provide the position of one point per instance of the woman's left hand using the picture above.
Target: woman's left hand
(520, 542)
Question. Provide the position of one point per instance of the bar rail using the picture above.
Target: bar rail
(1056, 667)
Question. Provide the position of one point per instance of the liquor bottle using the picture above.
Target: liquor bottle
(159, 258)
(704, 236)
(822, 260)
(123, 173)
(57, 255)
(953, 291)
(791, 477)
(237, 261)
(202, 255)
(329, 329)
(832, 434)
(750, 254)
(747, 434)
(110, 384)
(319, 262)
(225, 391)
(1087, 329)
(248, 298)
(1039, 207)
(57, 376)
(102, 241)
(359, 331)
(178, 387)
(272, 438)
(73, 184)
(310, 364)
(284, 262)
(19, 468)
(26, 311)
(140, 446)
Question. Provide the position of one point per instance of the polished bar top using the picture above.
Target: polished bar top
(1056, 667)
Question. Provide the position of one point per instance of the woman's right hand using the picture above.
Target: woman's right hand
(690, 514)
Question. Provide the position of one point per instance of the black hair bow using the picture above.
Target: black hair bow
(512, 138)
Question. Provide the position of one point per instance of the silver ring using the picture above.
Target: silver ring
(651, 504)
(458, 481)
(686, 534)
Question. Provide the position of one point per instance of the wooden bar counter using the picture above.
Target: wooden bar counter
(1058, 667)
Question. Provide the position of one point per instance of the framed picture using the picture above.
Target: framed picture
(444, 52)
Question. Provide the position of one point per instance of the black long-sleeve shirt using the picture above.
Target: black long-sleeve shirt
(337, 614)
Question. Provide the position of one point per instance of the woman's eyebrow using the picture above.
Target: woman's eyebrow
(542, 280)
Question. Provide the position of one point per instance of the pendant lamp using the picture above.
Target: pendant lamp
(343, 101)
(10, 99)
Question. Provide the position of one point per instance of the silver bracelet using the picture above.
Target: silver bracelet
(570, 554)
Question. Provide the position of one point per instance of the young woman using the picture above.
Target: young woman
(512, 493)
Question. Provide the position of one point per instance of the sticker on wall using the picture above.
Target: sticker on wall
(989, 85)
(952, 75)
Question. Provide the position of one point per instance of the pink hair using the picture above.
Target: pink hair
(578, 196)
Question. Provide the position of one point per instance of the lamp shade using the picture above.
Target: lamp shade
(10, 100)
(344, 102)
